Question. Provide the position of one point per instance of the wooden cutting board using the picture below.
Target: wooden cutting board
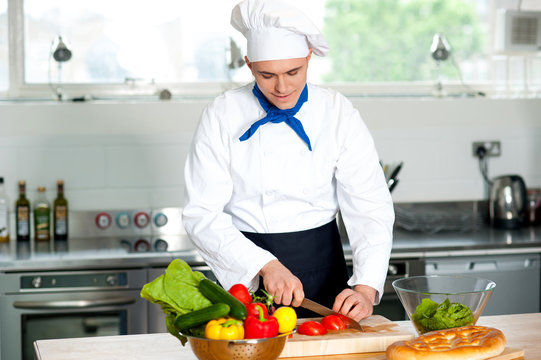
(379, 332)
(508, 354)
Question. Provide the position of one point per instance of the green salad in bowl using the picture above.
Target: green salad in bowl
(437, 302)
(429, 315)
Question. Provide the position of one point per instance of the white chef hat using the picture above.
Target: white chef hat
(276, 30)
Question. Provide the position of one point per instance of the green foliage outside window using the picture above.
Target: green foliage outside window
(389, 40)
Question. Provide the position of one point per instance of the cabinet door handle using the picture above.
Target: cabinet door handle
(73, 304)
(483, 265)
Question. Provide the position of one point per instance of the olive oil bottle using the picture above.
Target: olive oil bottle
(4, 214)
(42, 217)
(22, 215)
(60, 213)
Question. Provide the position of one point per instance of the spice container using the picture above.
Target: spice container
(533, 208)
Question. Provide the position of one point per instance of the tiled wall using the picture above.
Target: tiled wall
(129, 155)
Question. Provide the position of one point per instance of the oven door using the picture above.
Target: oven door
(30, 317)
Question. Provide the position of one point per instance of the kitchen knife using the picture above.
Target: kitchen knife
(325, 311)
(396, 170)
(391, 184)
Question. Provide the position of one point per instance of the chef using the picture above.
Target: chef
(271, 165)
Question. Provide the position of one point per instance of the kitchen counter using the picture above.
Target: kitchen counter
(485, 241)
(521, 331)
(406, 244)
(96, 253)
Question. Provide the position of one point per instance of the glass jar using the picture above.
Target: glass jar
(533, 210)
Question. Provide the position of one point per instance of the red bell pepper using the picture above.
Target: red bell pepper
(260, 327)
(252, 309)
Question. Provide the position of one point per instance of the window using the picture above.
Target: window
(123, 47)
(390, 40)
(4, 63)
(163, 41)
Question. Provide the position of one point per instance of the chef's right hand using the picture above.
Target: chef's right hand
(282, 284)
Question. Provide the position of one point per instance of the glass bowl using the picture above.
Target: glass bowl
(436, 302)
(263, 349)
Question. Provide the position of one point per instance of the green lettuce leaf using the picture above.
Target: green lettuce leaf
(173, 329)
(181, 285)
(429, 316)
(177, 292)
(155, 293)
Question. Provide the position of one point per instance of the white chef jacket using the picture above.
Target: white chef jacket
(272, 183)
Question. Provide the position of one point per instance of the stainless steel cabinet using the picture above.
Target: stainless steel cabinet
(517, 278)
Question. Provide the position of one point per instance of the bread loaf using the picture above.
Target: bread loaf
(462, 343)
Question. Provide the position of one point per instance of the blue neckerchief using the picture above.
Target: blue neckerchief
(276, 115)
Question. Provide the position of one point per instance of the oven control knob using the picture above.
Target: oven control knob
(161, 245)
(103, 220)
(392, 270)
(111, 280)
(141, 246)
(141, 219)
(123, 220)
(160, 219)
(36, 282)
(125, 244)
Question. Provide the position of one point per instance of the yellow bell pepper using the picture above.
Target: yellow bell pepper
(224, 329)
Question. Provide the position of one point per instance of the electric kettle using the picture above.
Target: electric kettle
(508, 202)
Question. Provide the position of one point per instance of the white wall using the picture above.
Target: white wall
(131, 155)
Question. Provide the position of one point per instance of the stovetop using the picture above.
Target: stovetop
(120, 237)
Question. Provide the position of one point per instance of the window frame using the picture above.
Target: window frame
(19, 89)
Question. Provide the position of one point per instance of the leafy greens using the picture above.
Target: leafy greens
(177, 293)
(429, 315)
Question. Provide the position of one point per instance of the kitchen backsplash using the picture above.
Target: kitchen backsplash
(115, 155)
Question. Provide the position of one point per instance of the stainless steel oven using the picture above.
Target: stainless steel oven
(66, 304)
(390, 305)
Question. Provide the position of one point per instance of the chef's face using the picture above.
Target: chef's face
(281, 81)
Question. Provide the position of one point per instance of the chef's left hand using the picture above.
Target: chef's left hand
(357, 303)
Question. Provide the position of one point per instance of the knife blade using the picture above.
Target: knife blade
(325, 311)
(396, 170)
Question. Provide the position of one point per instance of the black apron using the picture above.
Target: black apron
(315, 256)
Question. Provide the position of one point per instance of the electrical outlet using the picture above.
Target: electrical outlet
(491, 148)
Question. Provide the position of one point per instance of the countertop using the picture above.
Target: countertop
(484, 241)
(520, 330)
(406, 244)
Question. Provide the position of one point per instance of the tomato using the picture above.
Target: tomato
(311, 328)
(240, 292)
(347, 321)
(287, 319)
(252, 310)
(333, 322)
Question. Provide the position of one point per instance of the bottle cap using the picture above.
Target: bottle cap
(60, 182)
(22, 182)
(41, 188)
